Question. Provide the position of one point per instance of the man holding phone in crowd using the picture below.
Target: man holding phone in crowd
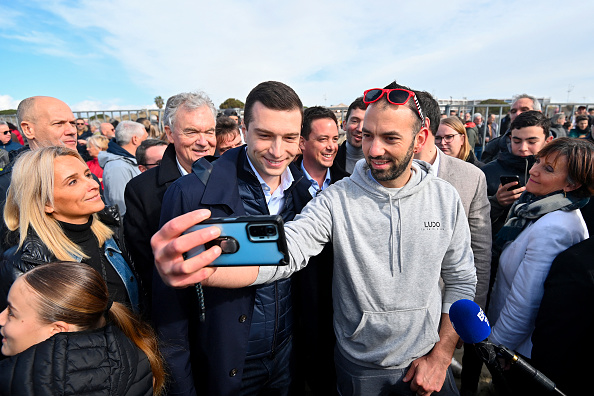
(529, 132)
(393, 330)
(237, 341)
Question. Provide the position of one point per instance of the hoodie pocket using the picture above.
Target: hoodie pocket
(390, 338)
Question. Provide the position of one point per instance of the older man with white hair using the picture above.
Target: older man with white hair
(119, 161)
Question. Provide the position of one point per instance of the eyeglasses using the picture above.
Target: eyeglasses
(446, 138)
(155, 164)
(6, 132)
(396, 96)
(78, 123)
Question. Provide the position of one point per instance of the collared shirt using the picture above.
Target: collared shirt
(315, 188)
(435, 164)
(181, 168)
(275, 200)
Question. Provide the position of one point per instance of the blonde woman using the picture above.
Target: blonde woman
(55, 212)
(62, 331)
(451, 138)
(96, 144)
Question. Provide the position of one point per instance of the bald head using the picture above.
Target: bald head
(47, 121)
(107, 130)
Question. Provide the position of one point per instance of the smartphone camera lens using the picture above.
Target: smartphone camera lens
(262, 231)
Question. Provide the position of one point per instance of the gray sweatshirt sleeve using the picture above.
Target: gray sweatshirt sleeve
(306, 237)
(457, 268)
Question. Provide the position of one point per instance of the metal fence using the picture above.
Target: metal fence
(499, 110)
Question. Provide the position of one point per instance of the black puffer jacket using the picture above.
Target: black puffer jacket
(34, 252)
(96, 362)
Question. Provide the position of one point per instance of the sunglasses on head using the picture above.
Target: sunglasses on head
(396, 96)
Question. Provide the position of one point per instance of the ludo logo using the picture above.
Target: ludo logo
(431, 226)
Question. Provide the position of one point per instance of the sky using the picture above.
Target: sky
(109, 55)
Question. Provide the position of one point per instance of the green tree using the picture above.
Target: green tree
(159, 102)
(8, 112)
(232, 103)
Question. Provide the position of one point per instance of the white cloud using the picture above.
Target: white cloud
(329, 52)
(8, 103)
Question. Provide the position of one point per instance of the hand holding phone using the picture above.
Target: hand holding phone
(246, 241)
(505, 193)
(506, 179)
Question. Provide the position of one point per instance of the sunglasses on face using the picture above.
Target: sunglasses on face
(396, 96)
(78, 123)
(6, 132)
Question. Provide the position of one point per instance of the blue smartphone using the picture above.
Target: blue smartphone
(246, 240)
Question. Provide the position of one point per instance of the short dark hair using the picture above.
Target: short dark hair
(582, 117)
(357, 104)
(145, 145)
(430, 110)
(315, 113)
(273, 95)
(410, 104)
(230, 112)
(225, 127)
(532, 118)
(580, 162)
(582, 107)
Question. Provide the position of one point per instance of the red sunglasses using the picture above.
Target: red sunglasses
(396, 96)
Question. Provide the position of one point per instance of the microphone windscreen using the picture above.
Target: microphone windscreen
(469, 321)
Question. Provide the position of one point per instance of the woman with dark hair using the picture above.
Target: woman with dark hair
(55, 211)
(65, 336)
(451, 138)
(542, 223)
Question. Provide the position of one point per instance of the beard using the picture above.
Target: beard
(396, 169)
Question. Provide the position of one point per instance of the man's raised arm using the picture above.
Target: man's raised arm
(169, 246)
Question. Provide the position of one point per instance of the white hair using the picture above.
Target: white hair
(126, 129)
(535, 103)
(189, 100)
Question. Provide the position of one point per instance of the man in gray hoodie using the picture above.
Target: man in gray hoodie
(395, 229)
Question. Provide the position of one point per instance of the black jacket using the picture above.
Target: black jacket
(505, 164)
(340, 159)
(314, 329)
(565, 320)
(95, 362)
(143, 197)
(34, 252)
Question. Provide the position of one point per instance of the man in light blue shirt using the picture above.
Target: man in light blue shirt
(319, 145)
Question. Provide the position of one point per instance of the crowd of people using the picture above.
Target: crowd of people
(386, 229)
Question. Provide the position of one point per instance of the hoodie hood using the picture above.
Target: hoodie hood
(105, 157)
(114, 148)
(420, 176)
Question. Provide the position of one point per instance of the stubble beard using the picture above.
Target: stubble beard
(396, 169)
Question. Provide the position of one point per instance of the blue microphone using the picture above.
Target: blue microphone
(472, 325)
(469, 321)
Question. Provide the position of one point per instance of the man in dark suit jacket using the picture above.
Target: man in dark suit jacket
(190, 120)
(315, 340)
(350, 151)
(237, 341)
